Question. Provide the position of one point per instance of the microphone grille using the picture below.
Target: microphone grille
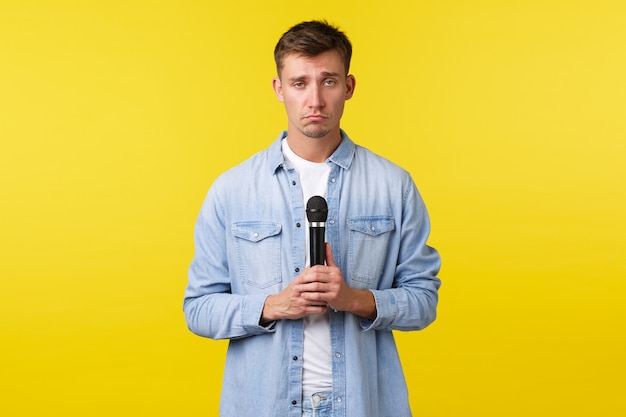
(316, 209)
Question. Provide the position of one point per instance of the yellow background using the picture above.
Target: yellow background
(115, 117)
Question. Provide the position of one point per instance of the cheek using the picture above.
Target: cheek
(291, 109)
(339, 104)
(288, 100)
(338, 98)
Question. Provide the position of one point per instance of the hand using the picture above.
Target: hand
(316, 289)
(289, 303)
(325, 284)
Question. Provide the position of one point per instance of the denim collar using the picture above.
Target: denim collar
(343, 155)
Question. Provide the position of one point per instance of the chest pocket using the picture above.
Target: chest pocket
(367, 248)
(258, 246)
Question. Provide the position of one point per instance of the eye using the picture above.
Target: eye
(330, 82)
(298, 84)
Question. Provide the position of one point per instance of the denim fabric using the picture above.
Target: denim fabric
(319, 404)
(250, 243)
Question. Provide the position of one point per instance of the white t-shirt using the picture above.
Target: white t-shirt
(316, 362)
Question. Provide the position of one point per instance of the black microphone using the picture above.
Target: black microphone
(316, 213)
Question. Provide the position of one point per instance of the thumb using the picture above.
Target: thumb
(330, 261)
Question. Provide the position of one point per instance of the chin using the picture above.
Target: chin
(316, 131)
(319, 135)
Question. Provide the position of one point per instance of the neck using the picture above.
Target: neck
(313, 149)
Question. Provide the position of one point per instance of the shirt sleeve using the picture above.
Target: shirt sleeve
(411, 303)
(211, 309)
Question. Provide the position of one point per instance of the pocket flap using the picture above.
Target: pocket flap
(373, 226)
(255, 231)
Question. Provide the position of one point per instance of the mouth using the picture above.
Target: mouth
(316, 117)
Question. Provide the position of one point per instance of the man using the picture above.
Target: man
(312, 340)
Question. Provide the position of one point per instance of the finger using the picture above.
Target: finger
(305, 277)
(317, 309)
(330, 261)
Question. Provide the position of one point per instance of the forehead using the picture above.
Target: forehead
(297, 65)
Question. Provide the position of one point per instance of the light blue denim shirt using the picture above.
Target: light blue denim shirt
(250, 243)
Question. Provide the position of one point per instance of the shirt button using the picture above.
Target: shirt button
(333, 179)
(297, 269)
(373, 229)
(339, 399)
(297, 224)
(256, 234)
(293, 183)
(332, 222)
(295, 358)
(294, 402)
(338, 355)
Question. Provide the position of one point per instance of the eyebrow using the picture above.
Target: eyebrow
(324, 74)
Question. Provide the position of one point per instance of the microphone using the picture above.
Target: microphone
(316, 213)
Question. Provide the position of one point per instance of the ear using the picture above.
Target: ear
(350, 85)
(278, 89)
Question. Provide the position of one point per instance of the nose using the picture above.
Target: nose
(315, 98)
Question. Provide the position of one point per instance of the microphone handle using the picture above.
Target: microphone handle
(317, 250)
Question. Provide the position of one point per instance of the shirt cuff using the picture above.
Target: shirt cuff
(252, 309)
(386, 311)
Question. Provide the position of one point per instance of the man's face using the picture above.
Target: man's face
(314, 90)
